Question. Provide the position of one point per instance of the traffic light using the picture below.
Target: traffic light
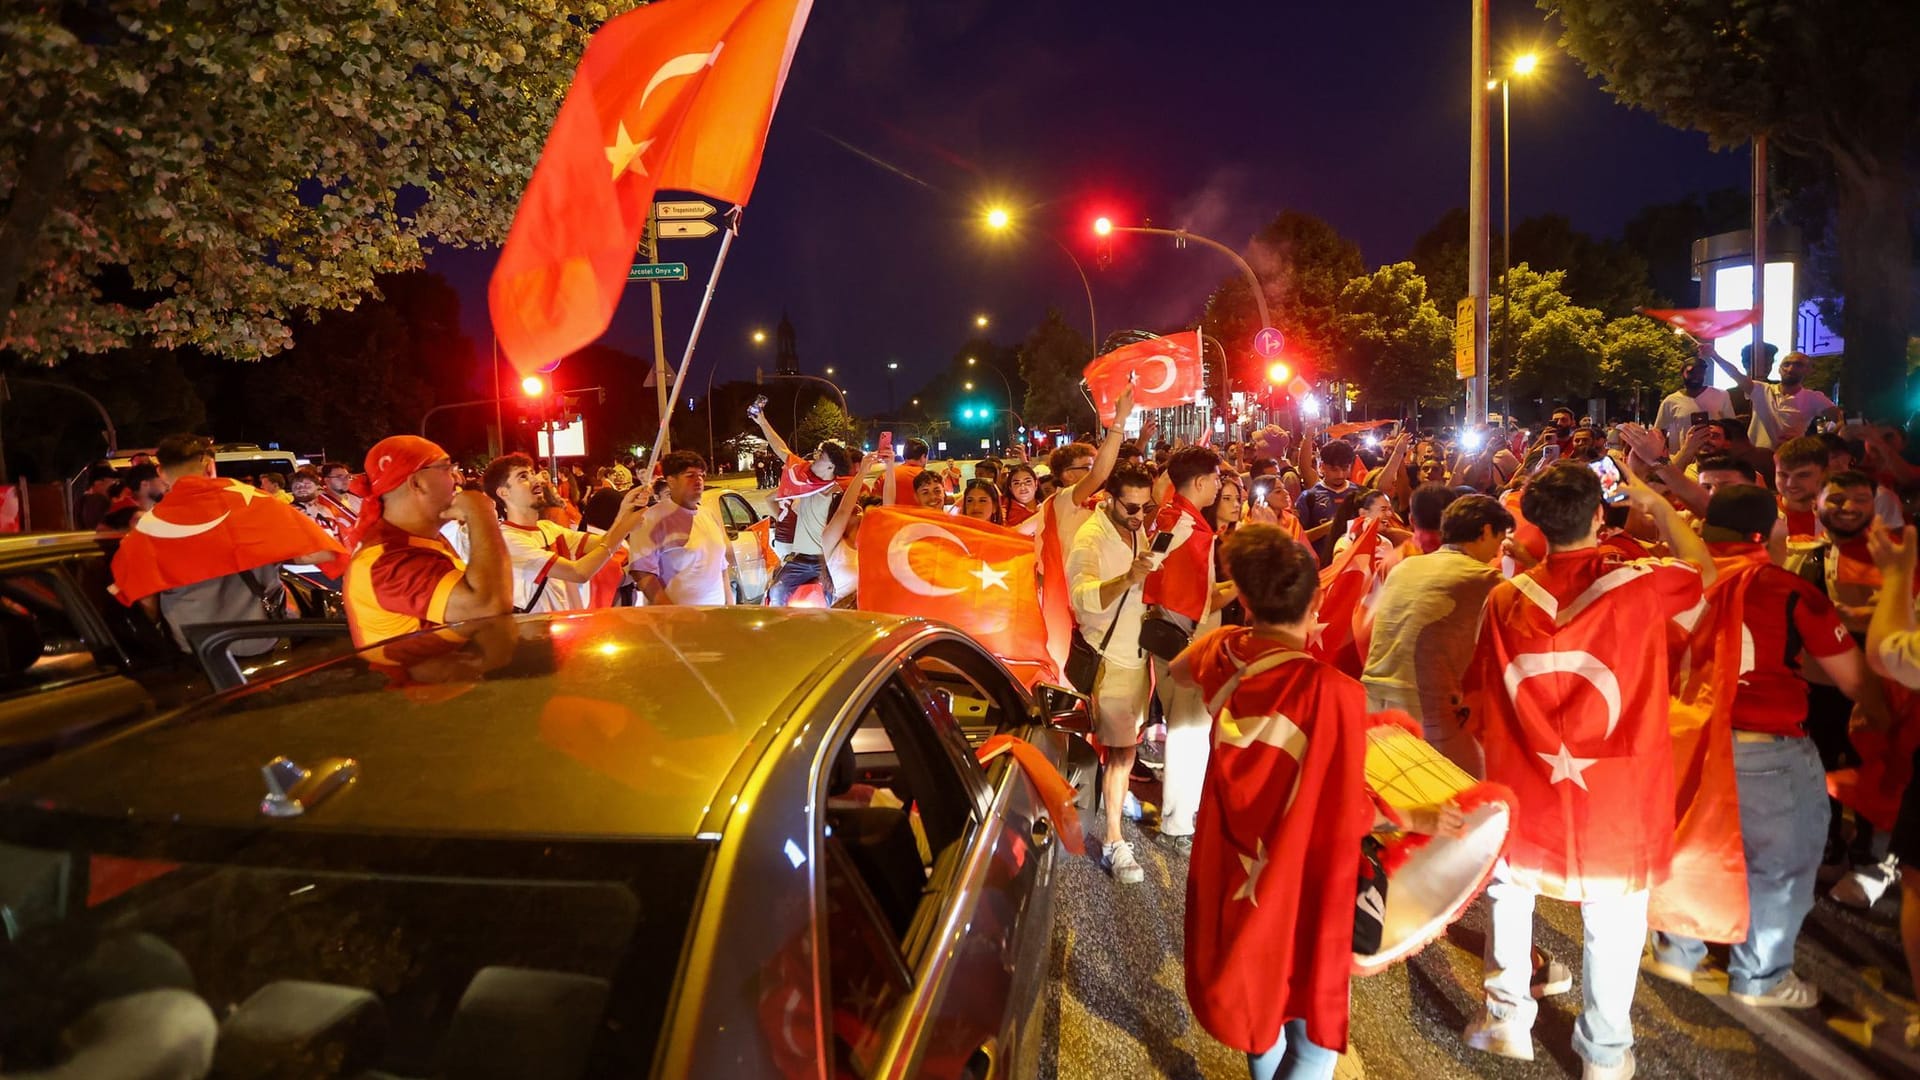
(1279, 372)
(1102, 226)
(533, 386)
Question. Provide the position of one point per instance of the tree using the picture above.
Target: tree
(148, 393)
(1602, 274)
(1638, 354)
(1396, 339)
(1556, 343)
(1302, 263)
(1051, 362)
(1837, 88)
(198, 173)
(826, 420)
(1440, 254)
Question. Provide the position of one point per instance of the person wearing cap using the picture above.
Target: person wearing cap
(1781, 782)
(403, 575)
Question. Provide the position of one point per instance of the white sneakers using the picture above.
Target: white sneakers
(1503, 1037)
(1863, 886)
(1622, 1071)
(1121, 863)
(1791, 992)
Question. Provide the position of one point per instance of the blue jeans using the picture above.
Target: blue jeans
(796, 571)
(1294, 1057)
(1783, 826)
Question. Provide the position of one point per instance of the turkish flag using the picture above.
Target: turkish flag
(1705, 893)
(1340, 622)
(206, 529)
(675, 96)
(1568, 693)
(1703, 323)
(1164, 371)
(1276, 845)
(1184, 578)
(980, 577)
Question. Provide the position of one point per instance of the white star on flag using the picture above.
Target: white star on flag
(1566, 766)
(246, 493)
(1254, 866)
(1316, 631)
(989, 577)
(625, 154)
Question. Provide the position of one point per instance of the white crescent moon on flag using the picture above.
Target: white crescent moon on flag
(1172, 373)
(1572, 662)
(152, 525)
(679, 66)
(901, 567)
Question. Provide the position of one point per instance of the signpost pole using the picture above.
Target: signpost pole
(659, 331)
(693, 338)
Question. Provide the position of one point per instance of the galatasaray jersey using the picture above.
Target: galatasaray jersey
(398, 583)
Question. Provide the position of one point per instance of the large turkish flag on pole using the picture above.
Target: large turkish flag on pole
(980, 577)
(676, 95)
(1164, 371)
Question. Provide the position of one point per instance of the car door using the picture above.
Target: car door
(752, 571)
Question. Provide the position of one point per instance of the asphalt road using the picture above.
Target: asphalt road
(1116, 1007)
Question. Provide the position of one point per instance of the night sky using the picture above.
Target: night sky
(1211, 116)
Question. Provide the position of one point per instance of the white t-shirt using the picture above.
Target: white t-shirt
(1779, 416)
(810, 523)
(686, 550)
(531, 552)
(1677, 409)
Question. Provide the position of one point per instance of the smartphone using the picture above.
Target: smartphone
(1261, 489)
(886, 442)
(1613, 490)
(759, 405)
(1700, 418)
(1163, 543)
(1550, 453)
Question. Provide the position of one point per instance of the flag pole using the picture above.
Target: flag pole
(693, 338)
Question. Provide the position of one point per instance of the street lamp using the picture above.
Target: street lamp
(999, 220)
(759, 337)
(980, 321)
(1522, 66)
(829, 371)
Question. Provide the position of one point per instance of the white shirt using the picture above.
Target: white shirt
(1676, 412)
(685, 549)
(531, 552)
(810, 514)
(1100, 553)
(1779, 416)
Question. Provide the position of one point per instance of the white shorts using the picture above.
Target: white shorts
(1120, 696)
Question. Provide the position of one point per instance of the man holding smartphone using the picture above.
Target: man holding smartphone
(1695, 403)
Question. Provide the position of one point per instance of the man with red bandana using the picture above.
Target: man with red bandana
(403, 576)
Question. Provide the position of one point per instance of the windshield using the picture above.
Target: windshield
(427, 961)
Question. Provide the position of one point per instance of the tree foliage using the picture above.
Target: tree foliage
(1638, 354)
(1835, 85)
(825, 420)
(1556, 343)
(1303, 263)
(1051, 361)
(1396, 341)
(201, 172)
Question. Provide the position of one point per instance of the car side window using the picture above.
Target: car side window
(979, 695)
(40, 644)
(866, 976)
(735, 511)
(143, 639)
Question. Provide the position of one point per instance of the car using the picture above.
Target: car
(235, 461)
(753, 570)
(669, 841)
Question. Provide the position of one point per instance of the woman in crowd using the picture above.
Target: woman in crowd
(1021, 504)
(981, 501)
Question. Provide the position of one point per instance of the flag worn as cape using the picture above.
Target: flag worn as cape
(1568, 693)
(1338, 630)
(206, 528)
(676, 96)
(1276, 844)
(1705, 893)
(1184, 579)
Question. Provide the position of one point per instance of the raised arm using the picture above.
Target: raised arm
(836, 526)
(590, 562)
(487, 587)
(1103, 461)
(773, 437)
(1682, 541)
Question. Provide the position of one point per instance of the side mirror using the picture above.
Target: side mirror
(1065, 708)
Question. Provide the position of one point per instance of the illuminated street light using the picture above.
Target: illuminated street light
(968, 385)
(972, 361)
(980, 321)
(997, 218)
(1525, 63)
(759, 337)
(829, 371)
(893, 365)
(1102, 227)
(533, 386)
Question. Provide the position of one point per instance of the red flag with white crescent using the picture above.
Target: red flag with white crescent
(1568, 693)
(1184, 579)
(1164, 372)
(981, 577)
(205, 529)
(1276, 846)
(1705, 324)
(1335, 632)
(674, 96)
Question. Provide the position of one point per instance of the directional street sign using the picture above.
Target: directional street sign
(1268, 343)
(657, 272)
(680, 211)
(686, 230)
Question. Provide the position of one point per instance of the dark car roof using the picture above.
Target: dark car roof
(35, 544)
(622, 722)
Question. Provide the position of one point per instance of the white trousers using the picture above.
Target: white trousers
(1616, 929)
(1189, 740)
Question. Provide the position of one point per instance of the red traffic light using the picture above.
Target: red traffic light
(533, 386)
(1102, 226)
(1279, 372)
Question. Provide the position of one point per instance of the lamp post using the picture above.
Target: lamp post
(1523, 65)
(999, 219)
(1478, 153)
(1105, 227)
(892, 366)
(974, 361)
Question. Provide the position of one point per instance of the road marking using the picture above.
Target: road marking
(1813, 1055)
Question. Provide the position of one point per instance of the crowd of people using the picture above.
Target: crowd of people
(1542, 606)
